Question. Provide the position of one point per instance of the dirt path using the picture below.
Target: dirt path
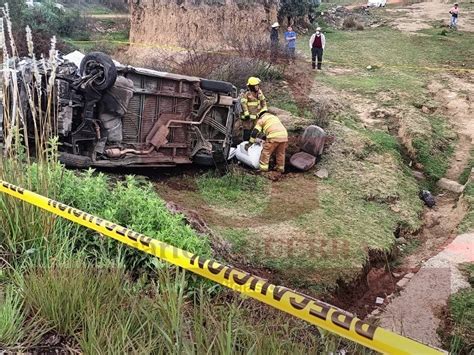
(416, 312)
(420, 16)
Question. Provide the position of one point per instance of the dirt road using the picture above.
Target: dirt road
(421, 15)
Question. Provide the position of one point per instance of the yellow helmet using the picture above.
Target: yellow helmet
(253, 81)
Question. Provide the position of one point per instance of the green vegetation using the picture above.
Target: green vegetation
(419, 52)
(291, 9)
(243, 191)
(66, 289)
(282, 98)
(460, 337)
(434, 148)
(467, 171)
(467, 224)
(45, 21)
(97, 7)
(313, 233)
(400, 66)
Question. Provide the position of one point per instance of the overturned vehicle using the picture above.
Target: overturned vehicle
(111, 115)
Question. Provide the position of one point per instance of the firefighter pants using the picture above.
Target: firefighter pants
(279, 148)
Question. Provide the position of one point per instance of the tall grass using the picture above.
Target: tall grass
(105, 312)
(27, 132)
(11, 317)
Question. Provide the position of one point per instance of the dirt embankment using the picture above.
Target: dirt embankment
(194, 24)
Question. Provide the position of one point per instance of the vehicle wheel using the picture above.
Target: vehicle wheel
(204, 159)
(75, 161)
(99, 61)
(217, 86)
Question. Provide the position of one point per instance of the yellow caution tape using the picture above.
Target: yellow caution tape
(299, 305)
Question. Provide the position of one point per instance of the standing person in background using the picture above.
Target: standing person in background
(274, 41)
(317, 44)
(454, 16)
(290, 38)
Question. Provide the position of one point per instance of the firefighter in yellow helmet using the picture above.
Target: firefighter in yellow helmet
(274, 136)
(253, 102)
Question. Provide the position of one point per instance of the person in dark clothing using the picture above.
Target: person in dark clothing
(317, 44)
(274, 41)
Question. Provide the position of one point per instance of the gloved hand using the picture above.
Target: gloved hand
(247, 117)
(258, 141)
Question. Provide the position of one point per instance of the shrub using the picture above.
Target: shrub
(46, 21)
(321, 111)
(349, 22)
(238, 70)
(132, 203)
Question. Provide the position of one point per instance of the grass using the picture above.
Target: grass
(97, 9)
(12, 317)
(467, 224)
(434, 148)
(238, 237)
(103, 310)
(404, 65)
(467, 171)
(237, 190)
(460, 339)
(282, 98)
(321, 232)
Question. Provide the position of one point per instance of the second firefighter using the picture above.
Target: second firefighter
(270, 131)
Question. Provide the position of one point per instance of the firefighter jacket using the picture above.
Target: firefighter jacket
(253, 103)
(269, 127)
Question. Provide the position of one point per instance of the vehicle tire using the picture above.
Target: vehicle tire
(107, 80)
(75, 161)
(204, 159)
(217, 86)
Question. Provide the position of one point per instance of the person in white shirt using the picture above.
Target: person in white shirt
(317, 44)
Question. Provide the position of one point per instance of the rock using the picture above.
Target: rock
(409, 275)
(403, 282)
(322, 173)
(418, 175)
(396, 274)
(401, 241)
(379, 300)
(292, 123)
(450, 185)
(427, 198)
(425, 109)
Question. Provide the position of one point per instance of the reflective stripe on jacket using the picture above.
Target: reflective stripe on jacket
(269, 126)
(253, 104)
